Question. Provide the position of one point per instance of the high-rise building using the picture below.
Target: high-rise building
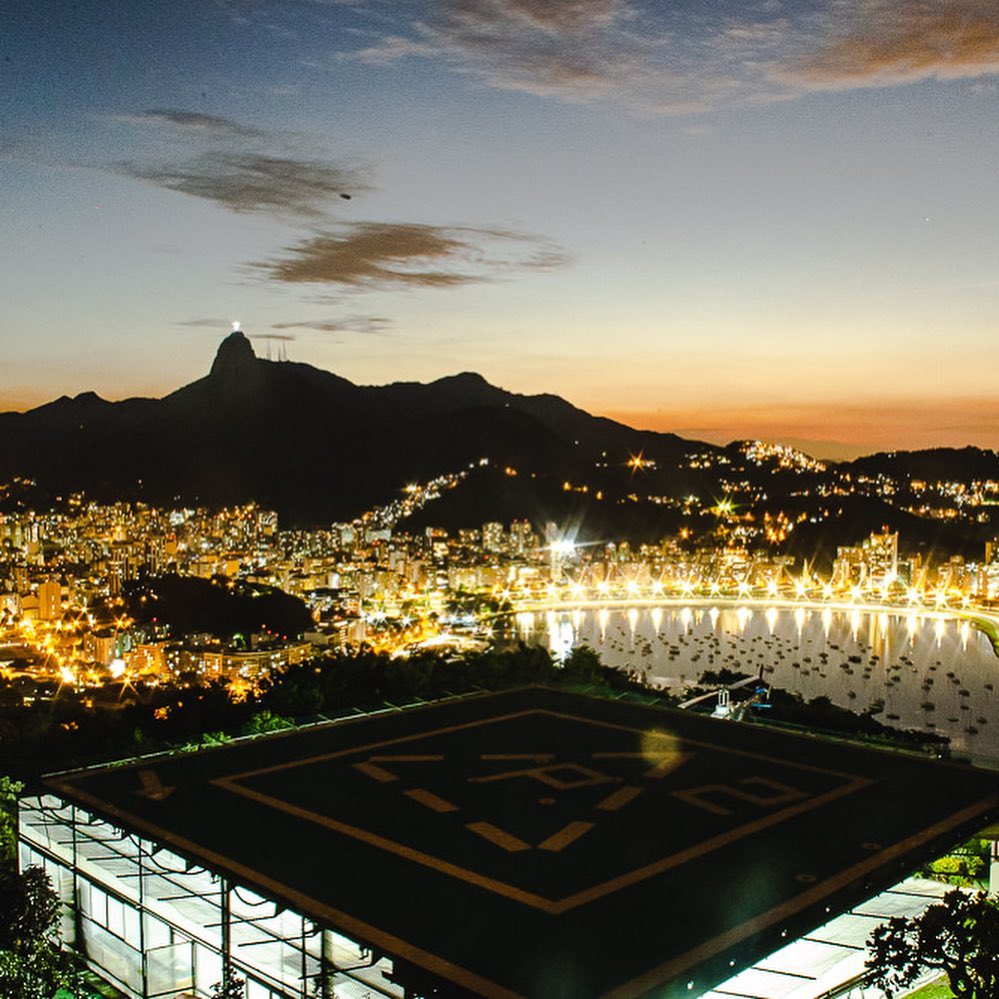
(881, 556)
(492, 537)
(522, 538)
(49, 600)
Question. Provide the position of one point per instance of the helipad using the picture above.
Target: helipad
(541, 843)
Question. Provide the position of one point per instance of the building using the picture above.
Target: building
(881, 557)
(49, 600)
(258, 662)
(492, 537)
(531, 843)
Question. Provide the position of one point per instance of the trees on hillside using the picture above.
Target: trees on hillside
(958, 936)
(32, 964)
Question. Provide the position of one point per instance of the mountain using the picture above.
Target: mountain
(941, 464)
(319, 448)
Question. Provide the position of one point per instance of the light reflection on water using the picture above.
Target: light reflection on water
(930, 673)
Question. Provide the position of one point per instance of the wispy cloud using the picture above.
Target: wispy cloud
(190, 123)
(209, 322)
(377, 254)
(346, 324)
(883, 41)
(231, 164)
(679, 58)
(236, 166)
(250, 182)
(648, 56)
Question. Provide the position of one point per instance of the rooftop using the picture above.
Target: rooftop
(543, 843)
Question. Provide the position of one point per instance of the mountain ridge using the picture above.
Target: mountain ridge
(318, 448)
(289, 434)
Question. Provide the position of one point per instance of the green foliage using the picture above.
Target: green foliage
(218, 606)
(965, 871)
(966, 865)
(31, 964)
(65, 732)
(367, 679)
(233, 987)
(261, 722)
(583, 665)
(9, 792)
(933, 990)
(822, 715)
(959, 936)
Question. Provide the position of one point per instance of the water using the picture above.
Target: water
(930, 673)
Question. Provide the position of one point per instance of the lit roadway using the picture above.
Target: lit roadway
(940, 610)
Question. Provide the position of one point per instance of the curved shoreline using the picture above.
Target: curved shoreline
(881, 643)
(985, 621)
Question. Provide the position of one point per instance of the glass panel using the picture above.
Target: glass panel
(254, 990)
(98, 910)
(207, 968)
(113, 956)
(116, 917)
(157, 932)
(169, 969)
(131, 933)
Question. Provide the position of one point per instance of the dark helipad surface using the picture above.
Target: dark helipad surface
(541, 843)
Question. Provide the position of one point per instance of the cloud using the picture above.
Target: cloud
(250, 182)
(346, 324)
(381, 254)
(190, 123)
(231, 164)
(882, 41)
(649, 56)
(681, 58)
(237, 166)
(206, 323)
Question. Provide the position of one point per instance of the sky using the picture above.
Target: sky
(725, 219)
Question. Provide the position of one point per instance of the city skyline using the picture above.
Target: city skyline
(771, 220)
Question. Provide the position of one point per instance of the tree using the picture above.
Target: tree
(32, 965)
(9, 792)
(583, 665)
(959, 936)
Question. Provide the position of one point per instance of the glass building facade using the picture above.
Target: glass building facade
(159, 927)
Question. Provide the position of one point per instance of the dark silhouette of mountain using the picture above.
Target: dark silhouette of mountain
(318, 448)
(941, 464)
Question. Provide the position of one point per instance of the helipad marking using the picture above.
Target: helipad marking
(483, 986)
(566, 835)
(619, 798)
(696, 795)
(661, 749)
(546, 775)
(375, 772)
(498, 836)
(430, 800)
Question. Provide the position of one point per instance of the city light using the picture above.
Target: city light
(370, 582)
